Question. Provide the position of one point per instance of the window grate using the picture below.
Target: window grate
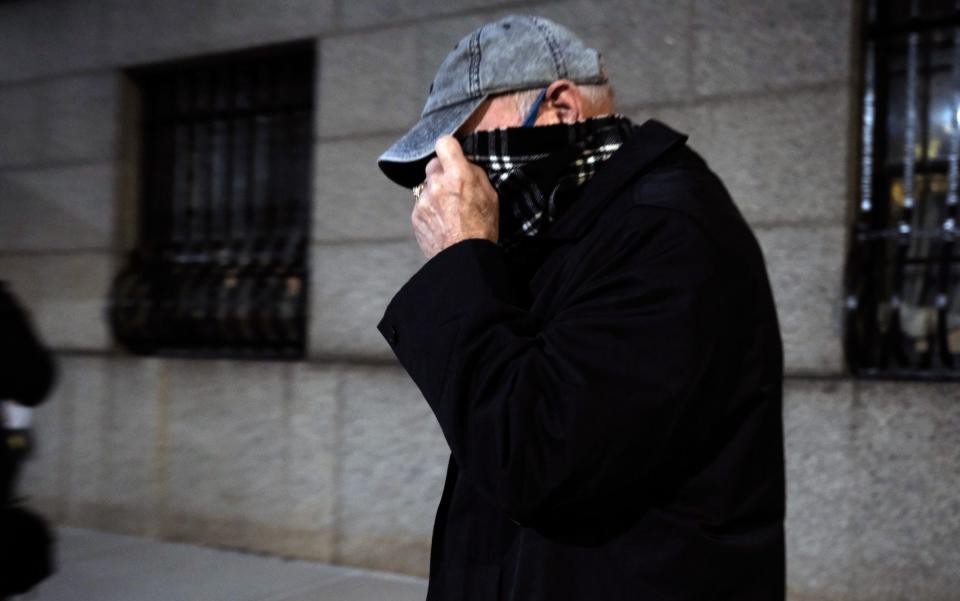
(221, 264)
(903, 270)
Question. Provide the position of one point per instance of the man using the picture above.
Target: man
(27, 374)
(595, 333)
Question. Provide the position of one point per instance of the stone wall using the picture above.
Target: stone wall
(339, 458)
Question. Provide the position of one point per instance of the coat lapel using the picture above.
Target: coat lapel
(651, 140)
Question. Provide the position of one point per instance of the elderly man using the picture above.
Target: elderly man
(595, 333)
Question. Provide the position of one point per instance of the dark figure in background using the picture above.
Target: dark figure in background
(27, 374)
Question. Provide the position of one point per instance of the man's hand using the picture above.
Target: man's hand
(457, 201)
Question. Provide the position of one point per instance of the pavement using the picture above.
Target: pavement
(97, 566)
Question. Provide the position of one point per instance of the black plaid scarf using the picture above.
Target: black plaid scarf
(537, 171)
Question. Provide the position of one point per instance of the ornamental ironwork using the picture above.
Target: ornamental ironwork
(221, 263)
(903, 270)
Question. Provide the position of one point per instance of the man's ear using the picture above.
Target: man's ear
(564, 103)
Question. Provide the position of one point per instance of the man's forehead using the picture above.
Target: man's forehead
(498, 111)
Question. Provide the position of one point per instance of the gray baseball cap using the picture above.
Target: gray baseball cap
(514, 53)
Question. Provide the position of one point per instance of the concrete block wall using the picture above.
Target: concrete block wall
(338, 458)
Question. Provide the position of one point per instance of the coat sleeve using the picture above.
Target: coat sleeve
(551, 417)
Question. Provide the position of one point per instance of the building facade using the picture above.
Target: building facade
(336, 456)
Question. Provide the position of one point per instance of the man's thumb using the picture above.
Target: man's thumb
(450, 153)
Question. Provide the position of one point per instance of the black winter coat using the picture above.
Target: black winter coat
(611, 395)
(27, 369)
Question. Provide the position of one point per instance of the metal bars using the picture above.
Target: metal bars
(221, 267)
(903, 270)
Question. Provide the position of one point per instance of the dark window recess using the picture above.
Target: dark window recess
(903, 273)
(220, 268)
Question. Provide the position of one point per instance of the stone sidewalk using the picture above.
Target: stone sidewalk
(109, 567)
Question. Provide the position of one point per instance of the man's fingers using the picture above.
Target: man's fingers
(434, 166)
(451, 155)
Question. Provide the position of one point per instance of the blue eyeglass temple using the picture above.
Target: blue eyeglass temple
(532, 115)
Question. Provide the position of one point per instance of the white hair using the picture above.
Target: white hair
(595, 95)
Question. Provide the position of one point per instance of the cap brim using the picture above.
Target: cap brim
(405, 161)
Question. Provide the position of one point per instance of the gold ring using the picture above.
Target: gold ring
(418, 190)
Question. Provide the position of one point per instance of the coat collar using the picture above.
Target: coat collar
(651, 140)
